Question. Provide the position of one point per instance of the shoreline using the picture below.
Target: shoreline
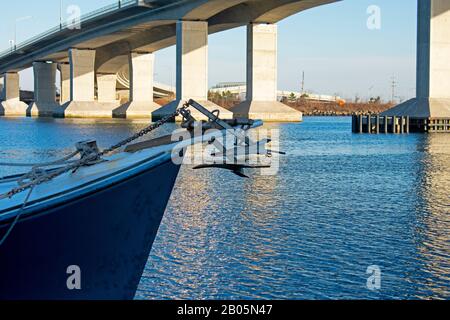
(325, 109)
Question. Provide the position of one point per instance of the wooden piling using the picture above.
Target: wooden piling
(361, 123)
(355, 123)
(396, 124)
(407, 124)
(378, 123)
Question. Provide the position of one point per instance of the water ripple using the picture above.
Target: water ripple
(340, 203)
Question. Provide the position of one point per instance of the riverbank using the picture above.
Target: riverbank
(319, 108)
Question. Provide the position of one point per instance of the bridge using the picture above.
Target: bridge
(114, 50)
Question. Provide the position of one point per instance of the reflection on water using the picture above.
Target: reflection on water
(433, 218)
(340, 203)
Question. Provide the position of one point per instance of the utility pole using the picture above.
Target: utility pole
(60, 13)
(394, 86)
(303, 83)
(370, 93)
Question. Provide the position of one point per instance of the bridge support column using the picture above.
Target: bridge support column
(82, 102)
(192, 70)
(44, 104)
(106, 87)
(64, 69)
(432, 100)
(261, 102)
(141, 104)
(11, 104)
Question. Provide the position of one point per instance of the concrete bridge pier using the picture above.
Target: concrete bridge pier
(141, 104)
(44, 104)
(106, 88)
(10, 104)
(262, 76)
(64, 69)
(192, 70)
(432, 103)
(82, 102)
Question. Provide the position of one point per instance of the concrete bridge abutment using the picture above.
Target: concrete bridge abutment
(10, 104)
(262, 78)
(192, 70)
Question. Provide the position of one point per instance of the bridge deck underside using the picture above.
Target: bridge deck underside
(148, 29)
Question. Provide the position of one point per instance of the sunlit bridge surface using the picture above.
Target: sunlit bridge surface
(340, 203)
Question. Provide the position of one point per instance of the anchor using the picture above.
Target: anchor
(243, 146)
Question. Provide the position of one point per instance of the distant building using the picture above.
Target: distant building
(222, 85)
(240, 90)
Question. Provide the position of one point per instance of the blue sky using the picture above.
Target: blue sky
(332, 44)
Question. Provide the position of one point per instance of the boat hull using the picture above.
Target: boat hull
(94, 247)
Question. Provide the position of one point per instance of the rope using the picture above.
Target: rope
(38, 175)
(44, 164)
(17, 218)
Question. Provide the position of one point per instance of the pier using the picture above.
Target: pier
(400, 125)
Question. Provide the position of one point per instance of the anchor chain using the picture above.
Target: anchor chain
(88, 155)
(38, 177)
(144, 131)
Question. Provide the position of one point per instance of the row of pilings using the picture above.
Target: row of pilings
(398, 125)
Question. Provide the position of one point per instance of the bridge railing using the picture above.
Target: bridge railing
(120, 4)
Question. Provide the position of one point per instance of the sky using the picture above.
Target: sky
(331, 44)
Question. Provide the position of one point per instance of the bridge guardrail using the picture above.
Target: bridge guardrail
(84, 18)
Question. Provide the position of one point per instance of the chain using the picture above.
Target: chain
(37, 179)
(38, 176)
(142, 133)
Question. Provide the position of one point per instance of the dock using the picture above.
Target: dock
(376, 124)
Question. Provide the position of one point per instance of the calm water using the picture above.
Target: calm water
(340, 203)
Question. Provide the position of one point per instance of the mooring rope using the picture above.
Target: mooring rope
(38, 175)
(44, 164)
(17, 218)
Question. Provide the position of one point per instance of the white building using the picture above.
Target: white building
(240, 89)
